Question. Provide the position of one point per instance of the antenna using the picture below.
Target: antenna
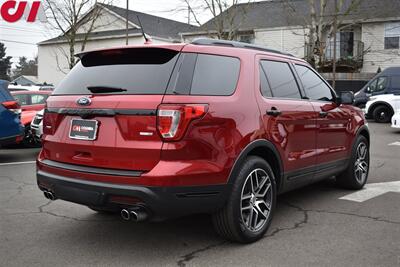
(141, 28)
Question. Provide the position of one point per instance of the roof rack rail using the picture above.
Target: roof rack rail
(209, 41)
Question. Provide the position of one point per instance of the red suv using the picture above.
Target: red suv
(218, 127)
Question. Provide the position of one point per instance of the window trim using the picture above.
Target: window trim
(266, 76)
(334, 96)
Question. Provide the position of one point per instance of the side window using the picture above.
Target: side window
(395, 84)
(372, 86)
(202, 74)
(381, 84)
(38, 99)
(314, 86)
(281, 79)
(215, 75)
(22, 99)
(265, 88)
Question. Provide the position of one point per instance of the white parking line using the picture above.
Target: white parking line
(394, 144)
(17, 163)
(373, 190)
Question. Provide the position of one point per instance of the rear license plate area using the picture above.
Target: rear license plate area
(83, 129)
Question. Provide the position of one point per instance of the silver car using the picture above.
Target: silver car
(37, 125)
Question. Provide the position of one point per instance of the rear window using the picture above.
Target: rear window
(203, 74)
(136, 71)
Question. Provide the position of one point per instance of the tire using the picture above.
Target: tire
(382, 114)
(103, 210)
(236, 225)
(29, 140)
(356, 174)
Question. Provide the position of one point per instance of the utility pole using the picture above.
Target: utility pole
(127, 21)
(334, 46)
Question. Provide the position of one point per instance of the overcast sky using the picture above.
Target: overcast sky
(20, 38)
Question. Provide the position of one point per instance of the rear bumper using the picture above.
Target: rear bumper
(11, 140)
(161, 202)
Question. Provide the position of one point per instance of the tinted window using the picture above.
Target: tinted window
(265, 88)
(22, 99)
(381, 84)
(281, 79)
(38, 99)
(138, 70)
(314, 86)
(396, 82)
(215, 75)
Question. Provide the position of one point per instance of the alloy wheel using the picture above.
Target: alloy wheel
(361, 164)
(256, 200)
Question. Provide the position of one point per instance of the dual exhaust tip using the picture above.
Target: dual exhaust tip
(49, 195)
(136, 214)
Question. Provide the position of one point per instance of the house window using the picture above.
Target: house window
(392, 35)
(246, 38)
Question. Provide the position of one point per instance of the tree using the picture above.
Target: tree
(76, 20)
(26, 67)
(5, 63)
(227, 16)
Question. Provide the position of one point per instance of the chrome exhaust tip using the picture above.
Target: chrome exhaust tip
(136, 214)
(49, 195)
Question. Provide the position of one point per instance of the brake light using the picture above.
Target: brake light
(50, 122)
(173, 120)
(12, 106)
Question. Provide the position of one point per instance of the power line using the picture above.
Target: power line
(18, 42)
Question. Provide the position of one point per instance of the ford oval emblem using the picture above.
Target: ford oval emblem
(84, 101)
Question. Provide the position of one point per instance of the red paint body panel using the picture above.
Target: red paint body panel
(29, 111)
(212, 144)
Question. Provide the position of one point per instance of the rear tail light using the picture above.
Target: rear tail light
(173, 120)
(50, 122)
(12, 106)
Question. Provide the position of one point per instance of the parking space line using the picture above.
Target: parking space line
(394, 144)
(17, 163)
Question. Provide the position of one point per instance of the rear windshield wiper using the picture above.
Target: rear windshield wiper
(105, 89)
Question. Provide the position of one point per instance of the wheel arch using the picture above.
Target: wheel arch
(265, 150)
(363, 130)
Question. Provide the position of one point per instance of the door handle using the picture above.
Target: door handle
(323, 114)
(273, 112)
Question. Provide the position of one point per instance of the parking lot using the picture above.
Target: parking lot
(312, 226)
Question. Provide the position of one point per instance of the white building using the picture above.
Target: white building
(368, 39)
(110, 32)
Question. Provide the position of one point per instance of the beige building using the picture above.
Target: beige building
(369, 36)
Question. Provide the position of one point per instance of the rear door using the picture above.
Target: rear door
(103, 113)
(288, 119)
(333, 121)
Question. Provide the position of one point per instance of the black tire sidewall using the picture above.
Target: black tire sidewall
(379, 110)
(234, 204)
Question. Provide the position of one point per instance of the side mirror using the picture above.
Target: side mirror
(368, 90)
(346, 97)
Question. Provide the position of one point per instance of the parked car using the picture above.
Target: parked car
(37, 126)
(11, 129)
(31, 102)
(396, 120)
(218, 127)
(381, 107)
(386, 82)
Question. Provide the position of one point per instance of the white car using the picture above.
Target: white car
(396, 120)
(381, 108)
(37, 125)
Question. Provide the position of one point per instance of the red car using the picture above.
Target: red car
(31, 102)
(218, 127)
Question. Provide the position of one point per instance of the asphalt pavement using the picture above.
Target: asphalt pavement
(312, 225)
